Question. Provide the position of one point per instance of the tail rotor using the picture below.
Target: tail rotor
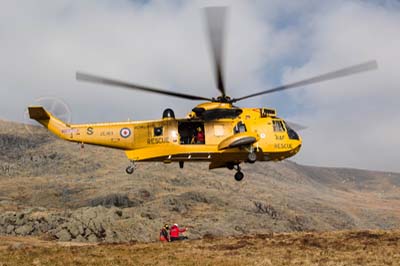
(56, 106)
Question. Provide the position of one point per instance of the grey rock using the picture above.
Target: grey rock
(194, 196)
(111, 236)
(21, 219)
(79, 238)
(10, 217)
(118, 214)
(92, 238)
(10, 229)
(24, 230)
(63, 235)
(43, 227)
(176, 205)
(81, 229)
(148, 215)
(73, 228)
(86, 214)
(117, 200)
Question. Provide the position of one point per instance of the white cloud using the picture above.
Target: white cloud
(158, 44)
(353, 121)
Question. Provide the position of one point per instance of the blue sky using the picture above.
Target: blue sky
(353, 122)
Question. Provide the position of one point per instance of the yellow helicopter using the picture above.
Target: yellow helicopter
(215, 131)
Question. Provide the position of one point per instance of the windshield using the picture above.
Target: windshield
(291, 133)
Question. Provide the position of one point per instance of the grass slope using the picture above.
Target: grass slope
(337, 248)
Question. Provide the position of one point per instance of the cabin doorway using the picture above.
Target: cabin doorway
(191, 133)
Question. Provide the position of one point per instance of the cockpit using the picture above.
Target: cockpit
(291, 133)
(281, 126)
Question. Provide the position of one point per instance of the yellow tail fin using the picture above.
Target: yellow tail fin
(50, 122)
(38, 113)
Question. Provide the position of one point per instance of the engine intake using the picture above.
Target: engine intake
(168, 114)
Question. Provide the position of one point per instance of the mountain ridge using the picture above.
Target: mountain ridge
(70, 184)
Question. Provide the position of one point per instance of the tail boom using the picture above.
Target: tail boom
(104, 134)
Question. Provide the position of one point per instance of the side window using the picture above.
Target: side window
(239, 128)
(263, 112)
(158, 131)
(278, 126)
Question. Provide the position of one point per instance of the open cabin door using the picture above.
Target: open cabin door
(191, 132)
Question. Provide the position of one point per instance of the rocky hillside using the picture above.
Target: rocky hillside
(55, 188)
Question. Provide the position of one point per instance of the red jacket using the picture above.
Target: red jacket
(175, 230)
(200, 137)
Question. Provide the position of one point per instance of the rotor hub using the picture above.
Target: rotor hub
(222, 99)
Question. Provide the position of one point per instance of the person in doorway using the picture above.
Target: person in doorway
(200, 138)
(175, 233)
(164, 235)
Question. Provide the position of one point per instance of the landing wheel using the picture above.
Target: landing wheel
(252, 157)
(230, 166)
(181, 163)
(239, 176)
(129, 170)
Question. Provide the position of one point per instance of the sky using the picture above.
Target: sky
(352, 122)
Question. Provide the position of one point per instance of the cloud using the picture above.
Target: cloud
(156, 44)
(352, 122)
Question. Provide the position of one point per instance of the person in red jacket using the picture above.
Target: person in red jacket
(175, 231)
(200, 139)
(164, 236)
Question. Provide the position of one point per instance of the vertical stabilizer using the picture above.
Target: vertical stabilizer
(49, 121)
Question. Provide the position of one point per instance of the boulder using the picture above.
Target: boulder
(21, 219)
(73, 228)
(10, 229)
(63, 235)
(92, 238)
(111, 236)
(79, 238)
(81, 229)
(117, 200)
(24, 230)
(42, 227)
(10, 217)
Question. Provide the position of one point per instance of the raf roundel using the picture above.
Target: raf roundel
(125, 132)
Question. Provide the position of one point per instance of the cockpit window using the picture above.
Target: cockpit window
(278, 126)
(291, 133)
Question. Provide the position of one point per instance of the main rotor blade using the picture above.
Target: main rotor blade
(296, 126)
(215, 18)
(106, 81)
(370, 65)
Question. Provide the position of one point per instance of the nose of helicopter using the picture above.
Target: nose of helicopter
(296, 141)
(296, 146)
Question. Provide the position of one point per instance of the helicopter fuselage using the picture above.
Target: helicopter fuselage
(225, 142)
